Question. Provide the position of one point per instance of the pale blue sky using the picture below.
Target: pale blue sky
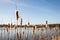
(38, 11)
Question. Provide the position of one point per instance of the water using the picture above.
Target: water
(29, 34)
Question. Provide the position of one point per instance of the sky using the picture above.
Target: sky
(36, 11)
